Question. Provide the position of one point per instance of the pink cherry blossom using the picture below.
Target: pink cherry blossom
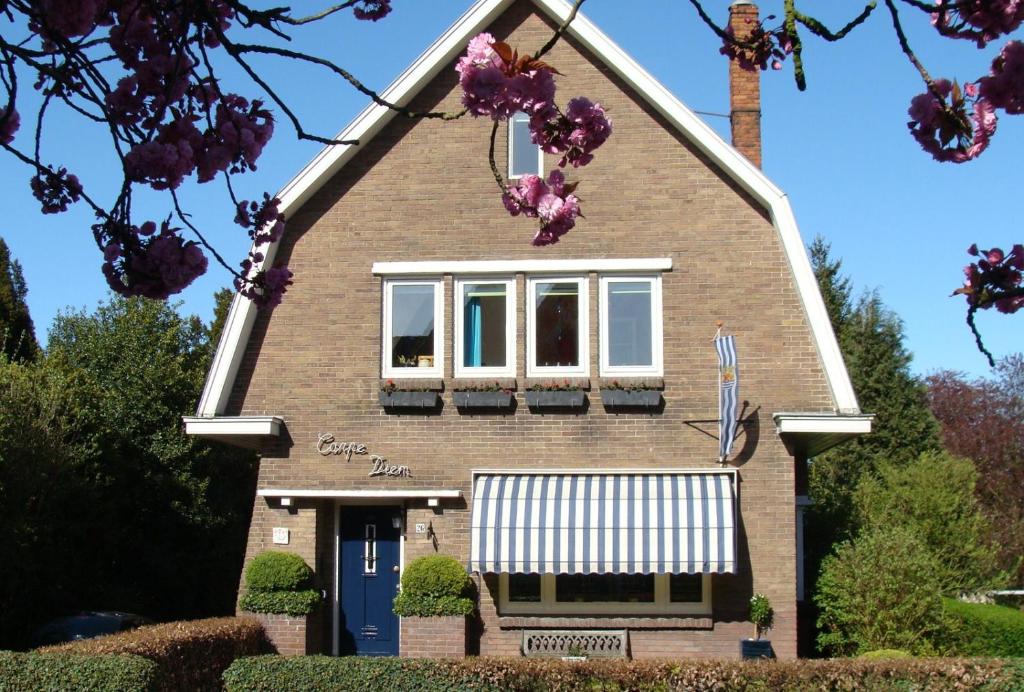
(552, 202)
(371, 10)
(9, 123)
(759, 48)
(56, 190)
(582, 129)
(995, 280)
(1004, 86)
(153, 267)
(978, 20)
(496, 88)
(944, 129)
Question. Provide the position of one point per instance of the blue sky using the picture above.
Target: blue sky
(899, 221)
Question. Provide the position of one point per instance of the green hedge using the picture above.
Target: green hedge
(435, 585)
(355, 674)
(281, 602)
(985, 630)
(190, 655)
(60, 672)
(275, 570)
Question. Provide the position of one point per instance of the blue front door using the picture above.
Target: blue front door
(369, 581)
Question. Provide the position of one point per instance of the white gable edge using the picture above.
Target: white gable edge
(374, 117)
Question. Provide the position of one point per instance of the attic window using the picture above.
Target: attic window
(524, 157)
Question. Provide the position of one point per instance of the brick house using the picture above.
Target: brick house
(571, 513)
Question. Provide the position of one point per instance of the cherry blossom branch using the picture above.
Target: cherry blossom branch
(977, 335)
(559, 31)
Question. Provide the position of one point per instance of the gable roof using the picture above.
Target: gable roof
(439, 56)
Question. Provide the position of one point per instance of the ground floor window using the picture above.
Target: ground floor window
(600, 594)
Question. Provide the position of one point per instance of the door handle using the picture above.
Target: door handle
(395, 569)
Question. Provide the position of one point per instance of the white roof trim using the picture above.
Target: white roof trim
(410, 493)
(229, 426)
(373, 118)
(646, 264)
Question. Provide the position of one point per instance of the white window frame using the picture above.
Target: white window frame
(656, 368)
(463, 371)
(583, 288)
(662, 604)
(521, 116)
(409, 373)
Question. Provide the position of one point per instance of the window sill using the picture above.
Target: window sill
(696, 622)
(429, 384)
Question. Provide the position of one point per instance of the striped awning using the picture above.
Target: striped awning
(604, 523)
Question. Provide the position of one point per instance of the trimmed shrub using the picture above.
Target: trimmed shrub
(59, 672)
(294, 603)
(359, 674)
(275, 570)
(278, 583)
(985, 630)
(435, 585)
(880, 591)
(885, 654)
(190, 655)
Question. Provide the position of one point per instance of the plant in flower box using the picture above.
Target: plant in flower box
(617, 394)
(555, 394)
(394, 396)
(483, 395)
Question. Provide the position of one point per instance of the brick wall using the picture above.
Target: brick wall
(422, 190)
(437, 637)
(286, 633)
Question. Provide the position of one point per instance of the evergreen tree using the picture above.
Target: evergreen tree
(17, 334)
(871, 340)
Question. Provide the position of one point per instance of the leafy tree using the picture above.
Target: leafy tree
(880, 591)
(871, 339)
(17, 334)
(983, 420)
(49, 509)
(934, 497)
(175, 508)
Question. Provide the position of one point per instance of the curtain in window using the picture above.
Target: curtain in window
(473, 346)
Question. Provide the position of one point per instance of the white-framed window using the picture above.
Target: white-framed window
(631, 326)
(524, 157)
(557, 326)
(485, 327)
(413, 333)
(604, 594)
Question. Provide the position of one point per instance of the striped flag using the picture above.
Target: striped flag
(728, 394)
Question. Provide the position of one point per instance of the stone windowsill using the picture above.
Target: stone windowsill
(698, 622)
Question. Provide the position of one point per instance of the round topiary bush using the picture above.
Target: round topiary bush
(275, 570)
(279, 583)
(435, 585)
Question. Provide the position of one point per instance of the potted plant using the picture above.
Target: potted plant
(392, 396)
(630, 395)
(761, 614)
(435, 602)
(555, 395)
(278, 589)
(483, 395)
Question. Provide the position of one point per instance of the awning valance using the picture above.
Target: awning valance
(604, 523)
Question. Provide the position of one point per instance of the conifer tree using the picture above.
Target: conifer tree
(17, 334)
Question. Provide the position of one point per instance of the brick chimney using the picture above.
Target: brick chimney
(745, 88)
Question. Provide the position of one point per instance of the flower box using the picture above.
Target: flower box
(404, 399)
(483, 399)
(630, 398)
(755, 648)
(555, 398)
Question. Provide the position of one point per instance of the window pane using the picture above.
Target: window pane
(686, 588)
(525, 157)
(556, 332)
(604, 588)
(629, 323)
(412, 326)
(524, 588)
(483, 325)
